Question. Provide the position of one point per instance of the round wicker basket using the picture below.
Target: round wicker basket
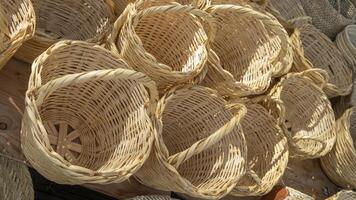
(346, 43)
(343, 195)
(288, 9)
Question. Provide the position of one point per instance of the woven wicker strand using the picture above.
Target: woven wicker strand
(86, 20)
(152, 197)
(312, 49)
(199, 149)
(346, 43)
(250, 48)
(340, 163)
(88, 116)
(288, 9)
(267, 151)
(179, 53)
(120, 5)
(17, 24)
(309, 119)
(343, 195)
(294, 194)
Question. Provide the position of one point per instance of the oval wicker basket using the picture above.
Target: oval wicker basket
(152, 197)
(15, 30)
(309, 119)
(199, 149)
(87, 116)
(343, 195)
(346, 43)
(312, 49)
(267, 150)
(288, 9)
(179, 53)
(250, 48)
(86, 20)
(340, 163)
(330, 16)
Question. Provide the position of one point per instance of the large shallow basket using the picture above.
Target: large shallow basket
(267, 150)
(86, 20)
(200, 149)
(346, 43)
(288, 9)
(340, 163)
(179, 53)
(330, 16)
(250, 48)
(312, 49)
(309, 119)
(87, 116)
(17, 24)
(343, 195)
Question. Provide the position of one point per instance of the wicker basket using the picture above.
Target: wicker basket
(346, 43)
(87, 116)
(340, 163)
(120, 5)
(313, 49)
(309, 119)
(250, 48)
(288, 9)
(329, 16)
(86, 20)
(267, 150)
(343, 195)
(152, 197)
(15, 180)
(15, 30)
(200, 149)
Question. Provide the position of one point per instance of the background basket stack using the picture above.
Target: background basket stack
(204, 98)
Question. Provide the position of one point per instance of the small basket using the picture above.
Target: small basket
(17, 24)
(343, 195)
(309, 119)
(340, 163)
(177, 56)
(250, 48)
(87, 116)
(152, 197)
(346, 43)
(267, 149)
(199, 149)
(312, 49)
(330, 16)
(85, 20)
(288, 9)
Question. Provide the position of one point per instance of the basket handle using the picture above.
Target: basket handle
(47, 89)
(201, 145)
(318, 76)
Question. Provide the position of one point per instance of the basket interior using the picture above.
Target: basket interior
(174, 39)
(351, 32)
(191, 115)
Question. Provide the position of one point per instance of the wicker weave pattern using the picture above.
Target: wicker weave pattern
(346, 43)
(87, 20)
(200, 149)
(251, 48)
(87, 121)
(343, 195)
(17, 24)
(152, 197)
(309, 119)
(288, 9)
(340, 163)
(320, 52)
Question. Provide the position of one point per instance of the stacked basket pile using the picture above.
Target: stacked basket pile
(201, 97)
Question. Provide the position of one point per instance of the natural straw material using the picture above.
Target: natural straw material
(343, 195)
(152, 197)
(312, 49)
(346, 43)
(288, 9)
(17, 24)
(267, 151)
(199, 149)
(340, 163)
(15, 180)
(309, 119)
(250, 48)
(297, 195)
(179, 53)
(87, 116)
(120, 5)
(86, 20)
(330, 16)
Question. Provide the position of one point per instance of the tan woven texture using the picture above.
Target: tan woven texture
(312, 49)
(179, 53)
(267, 151)
(297, 195)
(343, 195)
(87, 20)
(17, 24)
(120, 5)
(340, 163)
(288, 9)
(250, 48)
(15, 180)
(346, 43)
(330, 16)
(199, 149)
(309, 119)
(87, 119)
(152, 197)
